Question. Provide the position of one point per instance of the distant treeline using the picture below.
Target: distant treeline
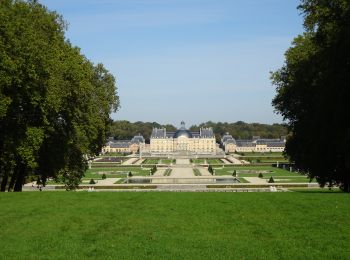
(242, 130)
(123, 130)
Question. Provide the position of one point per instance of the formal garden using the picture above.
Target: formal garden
(279, 175)
(262, 157)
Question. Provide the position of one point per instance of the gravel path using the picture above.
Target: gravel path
(204, 172)
(183, 161)
(255, 180)
(185, 172)
(159, 173)
(130, 161)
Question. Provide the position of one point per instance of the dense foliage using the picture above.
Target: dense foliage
(54, 103)
(313, 93)
(126, 130)
(242, 130)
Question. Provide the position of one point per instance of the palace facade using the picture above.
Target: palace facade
(124, 146)
(257, 144)
(183, 140)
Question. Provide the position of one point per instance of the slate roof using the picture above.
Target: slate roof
(206, 133)
(276, 144)
(119, 144)
(267, 142)
(245, 143)
(230, 141)
(227, 137)
(158, 133)
(182, 132)
(137, 139)
(162, 133)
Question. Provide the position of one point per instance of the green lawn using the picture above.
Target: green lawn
(255, 157)
(242, 180)
(214, 161)
(291, 179)
(150, 161)
(263, 160)
(113, 225)
(273, 161)
(253, 171)
(280, 175)
(198, 161)
(272, 154)
(166, 161)
(115, 172)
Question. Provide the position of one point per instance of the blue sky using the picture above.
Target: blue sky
(191, 60)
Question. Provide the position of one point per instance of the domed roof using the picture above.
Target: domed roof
(182, 132)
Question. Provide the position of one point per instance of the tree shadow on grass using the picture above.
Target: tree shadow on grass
(324, 190)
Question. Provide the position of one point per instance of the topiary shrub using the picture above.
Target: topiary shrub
(234, 174)
(261, 175)
(210, 169)
(38, 181)
(271, 180)
(104, 176)
(92, 181)
(153, 170)
(130, 174)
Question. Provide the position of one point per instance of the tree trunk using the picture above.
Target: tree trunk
(4, 181)
(12, 182)
(20, 178)
(346, 187)
(19, 182)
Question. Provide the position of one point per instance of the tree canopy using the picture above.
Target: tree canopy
(55, 104)
(313, 93)
(242, 130)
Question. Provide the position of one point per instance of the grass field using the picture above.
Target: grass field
(108, 225)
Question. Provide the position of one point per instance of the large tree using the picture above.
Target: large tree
(55, 104)
(313, 93)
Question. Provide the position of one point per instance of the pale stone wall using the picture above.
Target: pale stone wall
(198, 145)
(131, 148)
(245, 149)
(161, 145)
(259, 148)
(230, 148)
(108, 149)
